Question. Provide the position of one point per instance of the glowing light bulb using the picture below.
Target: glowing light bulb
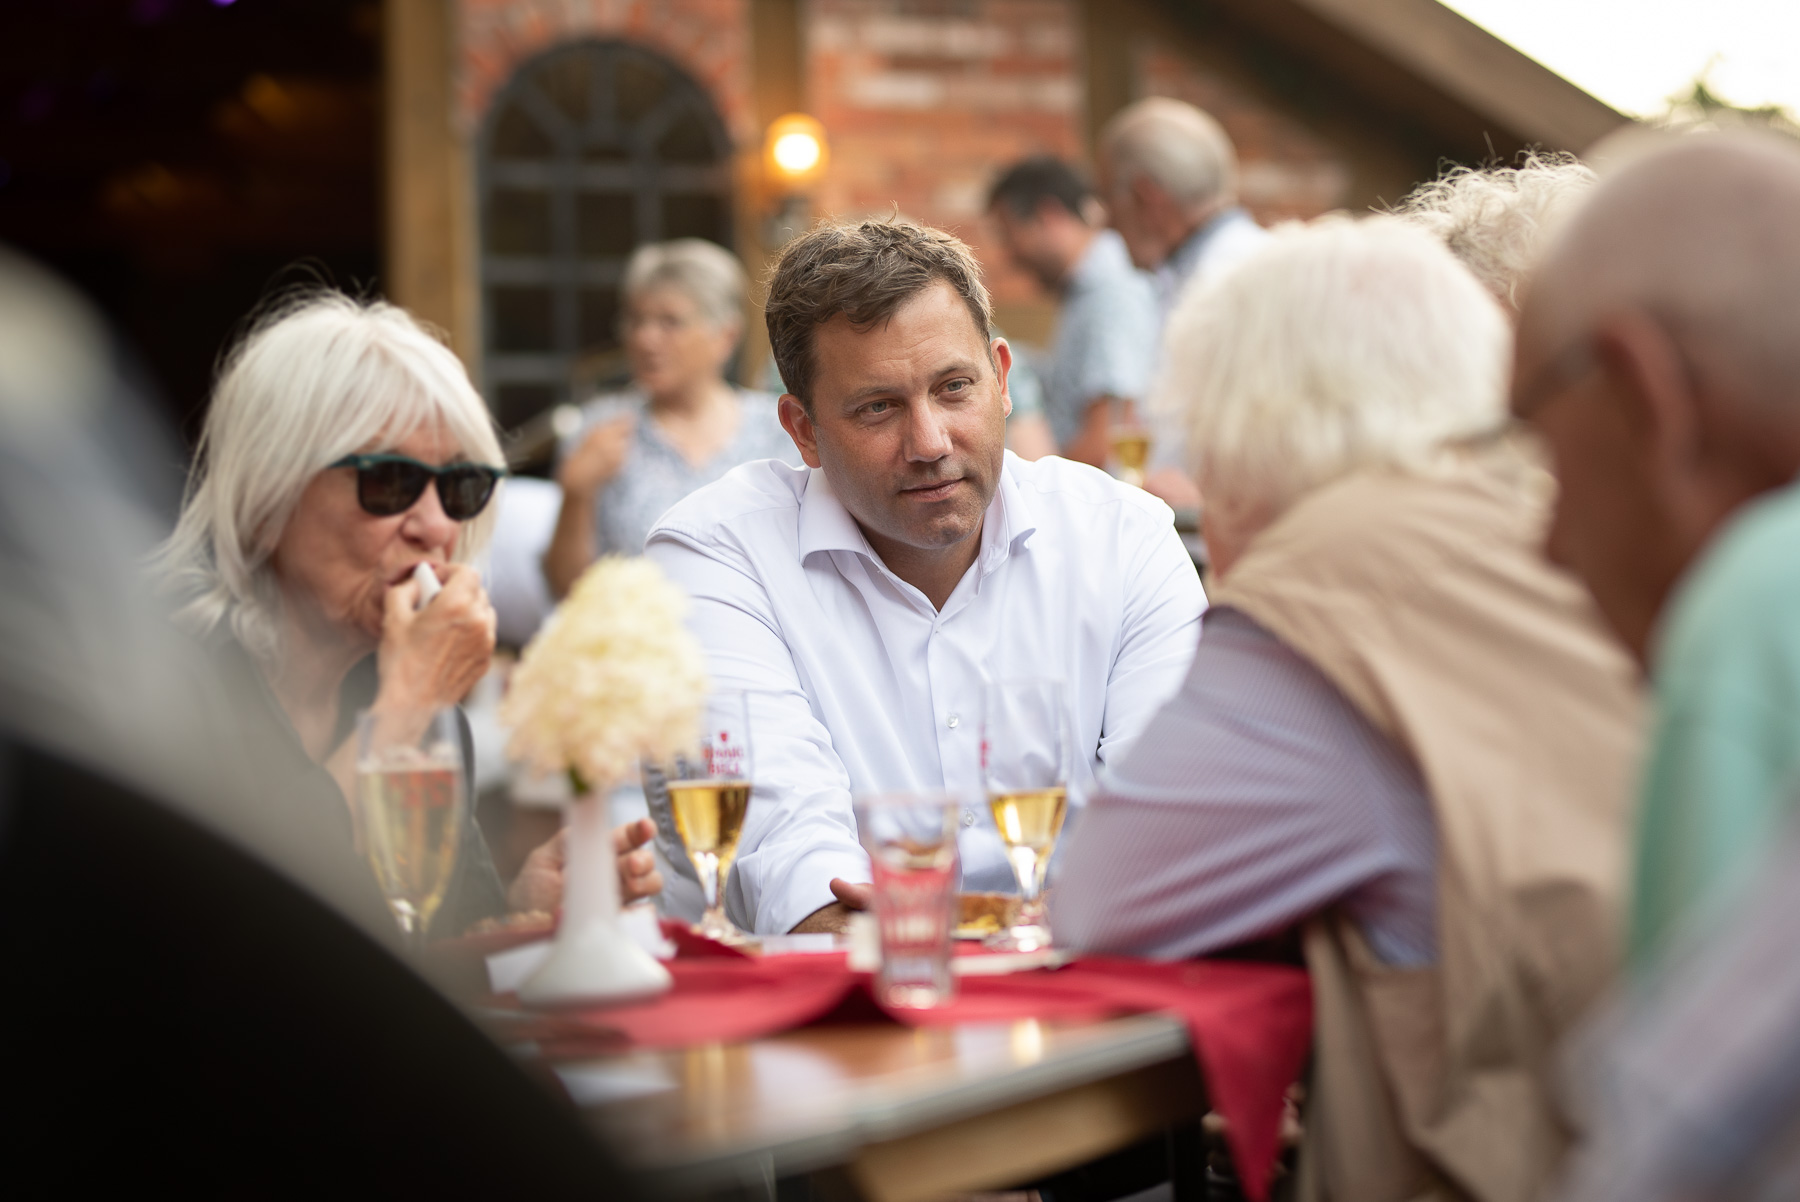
(797, 153)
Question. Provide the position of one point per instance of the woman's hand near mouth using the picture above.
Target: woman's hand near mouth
(432, 657)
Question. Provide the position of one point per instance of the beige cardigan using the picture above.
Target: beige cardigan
(1425, 598)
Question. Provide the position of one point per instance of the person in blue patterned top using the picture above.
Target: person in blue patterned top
(1051, 226)
(680, 424)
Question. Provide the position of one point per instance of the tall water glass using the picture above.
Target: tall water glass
(1026, 737)
(911, 841)
(412, 804)
(708, 797)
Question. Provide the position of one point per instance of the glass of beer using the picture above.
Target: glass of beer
(709, 795)
(1026, 738)
(1128, 443)
(411, 807)
(911, 841)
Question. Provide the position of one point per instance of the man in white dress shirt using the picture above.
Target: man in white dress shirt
(868, 596)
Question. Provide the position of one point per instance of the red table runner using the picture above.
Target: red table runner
(1250, 1024)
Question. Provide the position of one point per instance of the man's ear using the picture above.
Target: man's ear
(795, 420)
(1001, 354)
(1650, 382)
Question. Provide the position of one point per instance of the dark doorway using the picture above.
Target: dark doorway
(175, 158)
(591, 150)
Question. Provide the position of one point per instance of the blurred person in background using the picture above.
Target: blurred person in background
(1098, 371)
(1027, 429)
(174, 914)
(1659, 357)
(344, 447)
(1499, 220)
(1402, 728)
(681, 425)
(1168, 178)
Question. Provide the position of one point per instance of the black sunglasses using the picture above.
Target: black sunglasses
(389, 484)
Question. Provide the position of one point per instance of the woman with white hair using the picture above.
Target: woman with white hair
(1403, 730)
(343, 449)
(680, 426)
(1498, 220)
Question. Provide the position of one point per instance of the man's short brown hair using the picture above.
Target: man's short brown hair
(866, 272)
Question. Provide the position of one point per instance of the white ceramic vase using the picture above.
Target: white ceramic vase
(592, 959)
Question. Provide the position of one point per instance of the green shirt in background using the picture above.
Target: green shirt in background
(1722, 770)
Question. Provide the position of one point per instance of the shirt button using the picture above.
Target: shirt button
(954, 721)
(968, 817)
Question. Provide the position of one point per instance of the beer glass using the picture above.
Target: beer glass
(1026, 738)
(708, 796)
(1128, 442)
(412, 805)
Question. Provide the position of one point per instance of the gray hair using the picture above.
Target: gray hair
(1339, 345)
(318, 378)
(1498, 220)
(704, 272)
(1182, 149)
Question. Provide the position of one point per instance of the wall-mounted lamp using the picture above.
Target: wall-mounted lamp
(795, 151)
(795, 156)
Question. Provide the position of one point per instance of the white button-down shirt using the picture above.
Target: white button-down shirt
(862, 686)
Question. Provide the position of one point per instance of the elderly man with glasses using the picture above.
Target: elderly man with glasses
(1658, 357)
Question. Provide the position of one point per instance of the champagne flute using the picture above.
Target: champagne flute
(412, 805)
(1025, 746)
(708, 796)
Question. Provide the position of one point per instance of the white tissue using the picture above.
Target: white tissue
(428, 584)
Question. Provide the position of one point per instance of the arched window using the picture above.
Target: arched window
(592, 149)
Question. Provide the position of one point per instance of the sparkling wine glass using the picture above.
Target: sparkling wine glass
(1026, 738)
(707, 797)
(411, 804)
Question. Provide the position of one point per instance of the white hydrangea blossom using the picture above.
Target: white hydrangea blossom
(613, 675)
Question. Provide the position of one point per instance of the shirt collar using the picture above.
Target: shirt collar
(825, 525)
(1010, 520)
(1187, 256)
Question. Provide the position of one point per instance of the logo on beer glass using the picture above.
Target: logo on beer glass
(725, 759)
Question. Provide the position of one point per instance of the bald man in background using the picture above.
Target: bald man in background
(1659, 355)
(1169, 179)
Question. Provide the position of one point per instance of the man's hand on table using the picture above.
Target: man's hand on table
(835, 917)
(539, 885)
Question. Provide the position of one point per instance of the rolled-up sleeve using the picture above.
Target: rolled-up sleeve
(800, 831)
(1157, 637)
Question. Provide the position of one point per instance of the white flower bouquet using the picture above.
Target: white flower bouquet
(613, 675)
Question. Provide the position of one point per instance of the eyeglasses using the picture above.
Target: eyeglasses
(390, 484)
(1562, 370)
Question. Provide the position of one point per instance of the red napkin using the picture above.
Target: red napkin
(1250, 1024)
(716, 999)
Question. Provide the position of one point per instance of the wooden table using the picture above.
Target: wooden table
(897, 1114)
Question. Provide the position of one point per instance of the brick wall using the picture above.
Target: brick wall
(924, 104)
(710, 39)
